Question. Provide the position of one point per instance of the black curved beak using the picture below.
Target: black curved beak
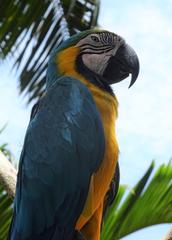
(121, 65)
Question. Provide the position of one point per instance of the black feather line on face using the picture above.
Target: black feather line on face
(94, 45)
(94, 78)
(107, 38)
(97, 50)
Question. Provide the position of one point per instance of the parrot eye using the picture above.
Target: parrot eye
(95, 39)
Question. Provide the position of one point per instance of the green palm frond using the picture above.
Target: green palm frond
(30, 29)
(5, 213)
(4, 146)
(148, 204)
(5, 200)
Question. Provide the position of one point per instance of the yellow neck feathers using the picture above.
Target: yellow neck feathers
(106, 103)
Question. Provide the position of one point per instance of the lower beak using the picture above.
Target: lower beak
(120, 66)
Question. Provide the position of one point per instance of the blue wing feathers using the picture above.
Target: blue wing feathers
(64, 145)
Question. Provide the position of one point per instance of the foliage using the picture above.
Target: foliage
(5, 201)
(4, 147)
(5, 213)
(30, 29)
(148, 204)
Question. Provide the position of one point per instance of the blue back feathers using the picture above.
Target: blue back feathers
(64, 146)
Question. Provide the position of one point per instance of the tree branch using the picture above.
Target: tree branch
(168, 236)
(8, 175)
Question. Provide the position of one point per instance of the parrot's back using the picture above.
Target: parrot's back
(64, 145)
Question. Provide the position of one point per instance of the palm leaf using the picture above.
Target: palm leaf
(30, 29)
(5, 200)
(148, 204)
(4, 146)
(5, 213)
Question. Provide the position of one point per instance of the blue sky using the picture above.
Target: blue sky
(144, 126)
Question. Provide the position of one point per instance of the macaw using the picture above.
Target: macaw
(70, 149)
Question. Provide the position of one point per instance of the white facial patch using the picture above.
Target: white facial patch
(97, 50)
(96, 62)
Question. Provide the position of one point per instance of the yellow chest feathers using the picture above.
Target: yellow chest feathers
(106, 103)
(107, 106)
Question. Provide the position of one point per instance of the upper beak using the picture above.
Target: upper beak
(123, 63)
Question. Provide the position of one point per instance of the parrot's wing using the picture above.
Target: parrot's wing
(64, 145)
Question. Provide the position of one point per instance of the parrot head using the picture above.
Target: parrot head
(102, 57)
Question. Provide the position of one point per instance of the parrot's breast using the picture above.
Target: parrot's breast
(107, 106)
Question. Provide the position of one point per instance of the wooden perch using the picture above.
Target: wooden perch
(168, 236)
(8, 175)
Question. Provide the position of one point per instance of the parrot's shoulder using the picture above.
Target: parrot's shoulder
(63, 92)
(68, 108)
(69, 84)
